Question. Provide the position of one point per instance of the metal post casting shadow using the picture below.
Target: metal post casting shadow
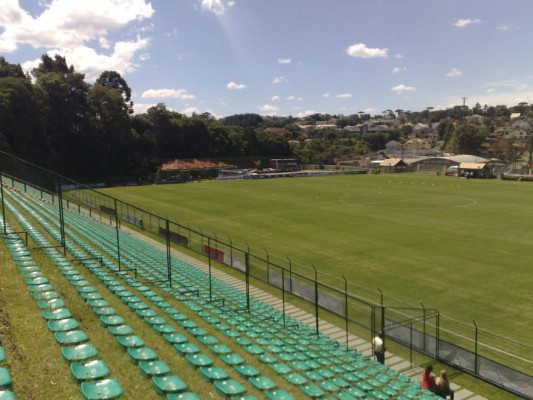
(382, 331)
(61, 216)
(424, 325)
(248, 281)
(169, 255)
(3, 206)
(209, 264)
(475, 348)
(268, 265)
(283, 294)
(290, 274)
(118, 235)
(316, 300)
(346, 309)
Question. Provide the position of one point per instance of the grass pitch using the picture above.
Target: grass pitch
(461, 246)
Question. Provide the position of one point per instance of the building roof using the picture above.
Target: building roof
(472, 165)
(391, 162)
(191, 164)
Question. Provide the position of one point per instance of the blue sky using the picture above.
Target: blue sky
(286, 57)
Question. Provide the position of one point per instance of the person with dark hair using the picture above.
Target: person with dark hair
(428, 379)
(379, 348)
(443, 388)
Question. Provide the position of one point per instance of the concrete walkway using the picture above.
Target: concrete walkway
(391, 360)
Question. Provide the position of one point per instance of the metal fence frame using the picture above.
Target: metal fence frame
(415, 327)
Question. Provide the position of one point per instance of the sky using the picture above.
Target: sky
(286, 57)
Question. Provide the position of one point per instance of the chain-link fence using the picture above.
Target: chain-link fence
(502, 361)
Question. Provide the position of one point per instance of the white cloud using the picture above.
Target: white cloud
(167, 93)
(360, 50)
(403, 88)
(68, 28)
(190, 111)
(454, 72)
(66, 24)
(292, 98)
(398, 56)
(462, 22)
(370, 110)
(141, 108)
(326, 95)
(235, 86)
(217, 7)
(86, 60)
(396, 70)
(278, 79)
(284, 60)
(268, 109)
(275, 98)
(306, 113)
(343, 96)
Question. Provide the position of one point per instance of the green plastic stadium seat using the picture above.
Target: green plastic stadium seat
(45, 287)
(5, 379)
(97, 303)
(2, 354)
(186, 348)
(175, 338)
(164, 328)
(51, 303)
(232, 359)
(213, 373)
(207, 340)
(137, 354)
(59, 313)
(148, 312)
(168, 384)
(380, 395)
(46, 295)
(104, 310)
(262, 383)
(248, 371)
(357, 393)
(92, 296)
(328, 386)
(114, 320)
(199, 360)
(267, 358)
(313, 391)
(220, 349)
(183, 396)
(130, 341)
(63, 325)
(279, 395)
(120, 330)
(295, 378)
(92, 370)
(155, 320)
(254, 350)
(187, 323)
(38, 280)
(229, 388)
(7, 395)
(313, 376)
(71, 337)
(102, 389)
(154, 368)
(345, 396)
(79, 352)
(280, 368)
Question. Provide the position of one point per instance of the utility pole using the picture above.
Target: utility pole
(464, 101)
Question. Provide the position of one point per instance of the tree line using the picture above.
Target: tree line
(54, 118)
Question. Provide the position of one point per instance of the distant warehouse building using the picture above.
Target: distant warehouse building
(284, 164)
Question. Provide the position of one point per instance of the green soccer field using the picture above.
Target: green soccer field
(461, 246)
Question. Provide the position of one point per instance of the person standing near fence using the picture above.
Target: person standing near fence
(379, 348)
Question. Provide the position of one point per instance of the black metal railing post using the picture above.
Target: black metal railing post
(3, 206)
(118, 235)
(169, 255)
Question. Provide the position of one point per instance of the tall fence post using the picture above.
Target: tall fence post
(290, 274)
(247, 259)
(118, 235)
(283, 293)
(268, 266)
(316, 301)
(346, 309)
(424, 326)
(475, 348)
(169, 255)
(61, 216)
(209, 265)
(3, 206)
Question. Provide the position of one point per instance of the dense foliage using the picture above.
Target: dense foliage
(54, 118)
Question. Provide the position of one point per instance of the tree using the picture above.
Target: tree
(113, 80)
